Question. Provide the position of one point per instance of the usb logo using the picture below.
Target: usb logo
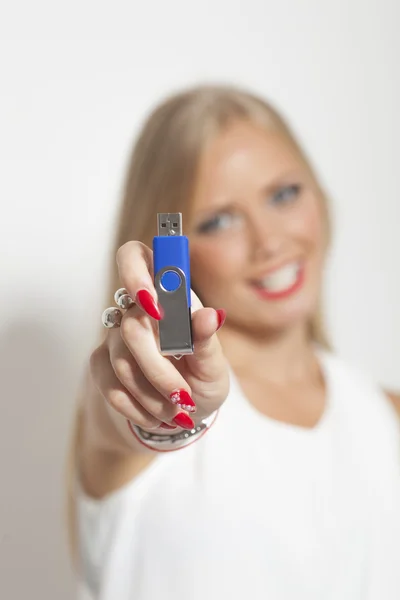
(172, 283)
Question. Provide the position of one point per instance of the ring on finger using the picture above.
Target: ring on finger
(123, 299)
(112, 316)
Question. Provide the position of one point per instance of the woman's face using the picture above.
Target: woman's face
(257, 234)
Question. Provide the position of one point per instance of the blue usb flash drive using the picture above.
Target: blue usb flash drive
(172, 283)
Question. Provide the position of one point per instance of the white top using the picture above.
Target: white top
(259, 509)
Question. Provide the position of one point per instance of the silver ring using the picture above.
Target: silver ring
(112, 316)
(123, 299)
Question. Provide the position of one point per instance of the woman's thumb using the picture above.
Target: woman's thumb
(208, 359)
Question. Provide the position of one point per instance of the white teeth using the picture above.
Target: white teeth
(281, 279)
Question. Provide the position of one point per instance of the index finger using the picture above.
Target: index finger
(135, 267)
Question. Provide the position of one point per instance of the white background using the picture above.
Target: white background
(76, 80)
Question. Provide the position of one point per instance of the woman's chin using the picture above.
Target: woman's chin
(284, 314)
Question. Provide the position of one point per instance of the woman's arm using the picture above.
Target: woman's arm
(108, 455)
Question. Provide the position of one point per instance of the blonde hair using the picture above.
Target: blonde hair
(162, 170)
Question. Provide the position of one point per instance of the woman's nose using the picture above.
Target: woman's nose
(266, 237)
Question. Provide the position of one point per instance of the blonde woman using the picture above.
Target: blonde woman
(261, 466)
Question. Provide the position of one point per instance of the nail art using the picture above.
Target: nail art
(183, 420)
(183, 400)
(221, 314)
(149, 305)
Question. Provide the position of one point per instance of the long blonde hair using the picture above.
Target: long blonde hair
(162, 170)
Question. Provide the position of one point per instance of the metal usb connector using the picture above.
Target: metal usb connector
(169, 224)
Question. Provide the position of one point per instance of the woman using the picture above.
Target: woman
(294, 493)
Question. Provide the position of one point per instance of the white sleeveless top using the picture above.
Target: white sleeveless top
(259, 509)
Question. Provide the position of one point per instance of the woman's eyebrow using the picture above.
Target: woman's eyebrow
(203, 213)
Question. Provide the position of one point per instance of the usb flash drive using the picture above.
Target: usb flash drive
(172, 283)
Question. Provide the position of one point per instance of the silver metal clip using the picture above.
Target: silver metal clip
(175, 328)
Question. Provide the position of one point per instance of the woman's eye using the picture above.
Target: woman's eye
(217, 223)
(286, 194)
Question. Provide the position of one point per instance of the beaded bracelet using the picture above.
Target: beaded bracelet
(173, 441)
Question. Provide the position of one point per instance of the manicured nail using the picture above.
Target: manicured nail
(167, 426)
(147, 302)
(183, 400)
(183, 420)
(221, 314)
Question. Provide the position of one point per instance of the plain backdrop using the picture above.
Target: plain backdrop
(77, 79)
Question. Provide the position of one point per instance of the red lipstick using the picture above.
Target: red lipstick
(280, 295)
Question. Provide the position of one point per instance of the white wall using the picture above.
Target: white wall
(76, 79)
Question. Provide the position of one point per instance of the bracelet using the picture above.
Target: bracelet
(173, 441)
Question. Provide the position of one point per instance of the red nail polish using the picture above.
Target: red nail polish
(149, 305)
(183, 400)
(221, 314)
(167, 426)
(183, 420)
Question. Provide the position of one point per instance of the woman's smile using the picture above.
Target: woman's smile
(280, 282)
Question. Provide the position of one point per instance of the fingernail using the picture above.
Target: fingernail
(148, 304)
(221, 314)
(183, 400)
(183, 420)
(167, 426)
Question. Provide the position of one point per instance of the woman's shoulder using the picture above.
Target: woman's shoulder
(394, 398)
(360, 383)
(362, 408)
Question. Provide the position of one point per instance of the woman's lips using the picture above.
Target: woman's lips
(281, 283)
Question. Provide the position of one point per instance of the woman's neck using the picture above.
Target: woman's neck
(281, 358)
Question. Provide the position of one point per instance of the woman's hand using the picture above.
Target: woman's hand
(137, 382)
